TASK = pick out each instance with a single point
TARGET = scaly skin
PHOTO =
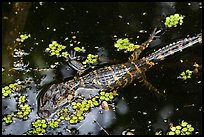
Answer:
(112, 77)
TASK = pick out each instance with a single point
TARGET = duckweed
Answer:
(8, 119)
(107, 96)
(55, 49)
(40, 126)
(171, 133)
(81, 117)
(177, 132)
(80, 106)
(22, 99)
(67, 118)
(53, 123)
(23, 37)
(9, 89)
(25, 111)
(78, 49)
(178, 127)
(95, 103)
(182, 129)
(22, 113)
(174, 20)
(65, 54)
(90, 59)
(72, 121)
(185, 74)
(183, 124)
(124, 44)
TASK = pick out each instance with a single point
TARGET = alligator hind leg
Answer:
(136, 53)
(147, 84)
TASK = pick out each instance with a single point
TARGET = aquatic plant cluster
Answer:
(78, 49)
(23, 37)
(59, 50)
(174, 20)
(39, 127)
(73, 114)
(125, 44)
(183, 128)
(11, 88)
(185, 74)
(24, 110)
(80, 106)
(107, 96)
(91, 59)
(8, 118)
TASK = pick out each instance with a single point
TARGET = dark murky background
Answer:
(95, 24)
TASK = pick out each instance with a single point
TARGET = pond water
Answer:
(95, 25)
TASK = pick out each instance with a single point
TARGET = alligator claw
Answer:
(74, 63)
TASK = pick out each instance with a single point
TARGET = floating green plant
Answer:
(64, 54)
(78, 49)
(40, 126)
(56, 49)
(124, 44)
(185, 74)
(24, 111)
(64, 112)
(174, 20)
(21, 100)
(9, 89)
(90, 59)
(183, 128)
(80, 106)
(23, 37)
(8, 119)
(107, 96)
(53, 123)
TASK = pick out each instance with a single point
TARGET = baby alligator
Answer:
(112, 77)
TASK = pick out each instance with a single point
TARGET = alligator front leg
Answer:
(136, 53)
(75, 63)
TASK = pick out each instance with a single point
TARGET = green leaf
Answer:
(191, 129)
(173, 128)
(177, 132)
(81, 117)
(44, 125)
(102, 97)
(171, 133)
(178, 127)
(107, 99)
(107, 94)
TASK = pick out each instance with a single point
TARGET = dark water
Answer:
(95, 24)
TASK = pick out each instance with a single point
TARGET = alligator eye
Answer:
(44, 113)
